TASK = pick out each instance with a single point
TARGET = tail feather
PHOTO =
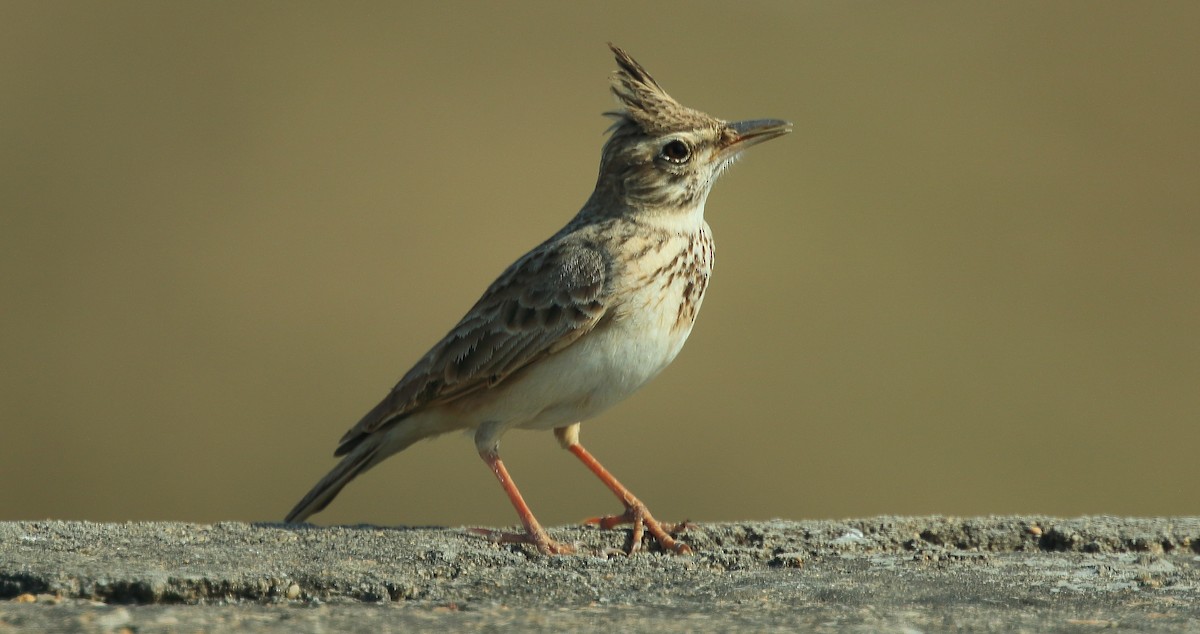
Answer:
(365, 450)
(364, 457)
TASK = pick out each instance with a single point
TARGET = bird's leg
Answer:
(534, 533)
(635, 513)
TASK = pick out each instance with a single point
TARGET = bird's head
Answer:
(663, 157)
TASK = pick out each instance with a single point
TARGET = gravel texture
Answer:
(878, 574)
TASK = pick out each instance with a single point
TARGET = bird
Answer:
(582, 320)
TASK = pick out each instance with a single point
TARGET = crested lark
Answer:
(581, 321)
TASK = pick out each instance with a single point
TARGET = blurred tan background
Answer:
(969, 283)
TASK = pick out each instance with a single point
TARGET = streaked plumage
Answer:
(582, 320)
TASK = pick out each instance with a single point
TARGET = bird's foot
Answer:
(538, 539)
(637, 515)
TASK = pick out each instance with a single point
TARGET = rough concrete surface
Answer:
(908, 574)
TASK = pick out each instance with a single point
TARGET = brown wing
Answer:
(543, 303)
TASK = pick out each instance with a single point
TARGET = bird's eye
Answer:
(676, 151)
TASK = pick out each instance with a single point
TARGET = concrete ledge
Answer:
(997, 573)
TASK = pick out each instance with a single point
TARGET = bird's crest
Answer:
(644, 102)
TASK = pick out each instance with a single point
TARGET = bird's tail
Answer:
(364, 456)
(329, 486)
(377, 436)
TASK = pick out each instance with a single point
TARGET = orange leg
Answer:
(534, 533)
(635, 513)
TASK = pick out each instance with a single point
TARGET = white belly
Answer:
(601, 369)
(638, 338)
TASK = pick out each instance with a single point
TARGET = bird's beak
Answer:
(747, 133)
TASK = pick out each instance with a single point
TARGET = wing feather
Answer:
(543, 303)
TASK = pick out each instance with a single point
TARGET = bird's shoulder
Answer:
(542, 303)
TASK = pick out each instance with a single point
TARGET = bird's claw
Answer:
(540, 540)
(639, 518)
